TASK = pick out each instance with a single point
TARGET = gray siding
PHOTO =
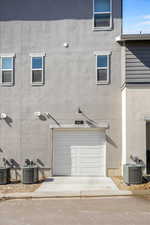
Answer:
(138, 62)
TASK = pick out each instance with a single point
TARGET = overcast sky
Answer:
(136, 16)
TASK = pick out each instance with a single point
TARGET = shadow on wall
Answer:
(14, 163)
(40, 163)
(49, 9)
(8, 121)
(111, 142)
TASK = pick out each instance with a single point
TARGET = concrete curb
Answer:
(78, 194)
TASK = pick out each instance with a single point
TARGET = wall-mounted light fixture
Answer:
(66, 45)
(79, 111)
(37, 114)
(3, 115)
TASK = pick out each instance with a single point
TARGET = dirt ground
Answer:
(14, 187)
(122, 186)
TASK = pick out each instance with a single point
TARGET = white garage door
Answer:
(79, 152)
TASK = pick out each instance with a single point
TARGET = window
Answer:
(102, 69)
(7, 70)
(102, 14)
(37, 70)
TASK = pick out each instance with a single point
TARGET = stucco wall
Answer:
(70, 78)
(137, 111)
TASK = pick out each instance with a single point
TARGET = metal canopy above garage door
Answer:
(79, 152)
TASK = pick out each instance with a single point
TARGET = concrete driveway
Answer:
(77, 184)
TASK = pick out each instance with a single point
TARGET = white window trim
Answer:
(111, 17)
(12, 55)
(8, 55)
(42, 55)
(108, 68)
(102, 53)
(38, 54)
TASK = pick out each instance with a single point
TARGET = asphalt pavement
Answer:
(79, 211)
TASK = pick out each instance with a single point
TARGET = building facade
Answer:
(135, 98)
(60, 92)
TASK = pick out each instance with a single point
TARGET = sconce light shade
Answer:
(37, 114)
(66, 45)
(3, 115)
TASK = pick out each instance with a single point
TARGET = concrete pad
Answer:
(77, 184)
(1, 196)
(98, 193)
(15, 195)
(30, 195)
(73, 194)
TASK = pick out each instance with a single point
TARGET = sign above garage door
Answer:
(79, 152)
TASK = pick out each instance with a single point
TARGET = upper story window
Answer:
(102, 68)
(7, 70)
(102, 14)
(37, 62)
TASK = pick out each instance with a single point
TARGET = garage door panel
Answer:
(79, 153)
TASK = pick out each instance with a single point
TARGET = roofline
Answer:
(133, 37)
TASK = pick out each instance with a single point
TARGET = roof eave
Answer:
(133, 37)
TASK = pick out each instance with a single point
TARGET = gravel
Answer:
(122, 186)
(14, 187)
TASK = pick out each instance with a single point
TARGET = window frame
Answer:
(108, 54)
(11, 83)
(102, 13)
(36, 55)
